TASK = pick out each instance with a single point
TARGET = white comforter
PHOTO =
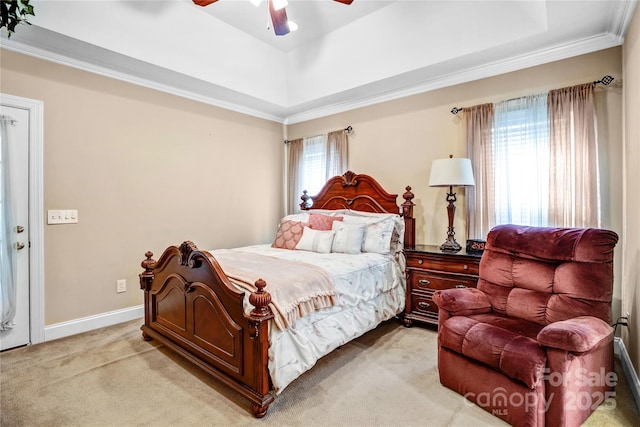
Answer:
(370, 288)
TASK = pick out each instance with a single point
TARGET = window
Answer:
(312, 161)
(535, 161)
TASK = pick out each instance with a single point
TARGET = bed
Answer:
(225, 321)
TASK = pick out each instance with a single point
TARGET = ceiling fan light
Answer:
(256, 3)
(279, 4)
(292, 25)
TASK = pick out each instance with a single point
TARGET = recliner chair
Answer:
(533, 343)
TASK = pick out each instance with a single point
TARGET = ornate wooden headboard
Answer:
(363, 193)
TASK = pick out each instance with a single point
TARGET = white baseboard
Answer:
(86, 324)
(629, 371)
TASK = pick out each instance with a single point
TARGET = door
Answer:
(17, 140)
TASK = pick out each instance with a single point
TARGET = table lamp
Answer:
(451, 173)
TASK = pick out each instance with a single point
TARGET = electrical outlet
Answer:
(121, 286)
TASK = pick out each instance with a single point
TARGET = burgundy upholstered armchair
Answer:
(533, 343)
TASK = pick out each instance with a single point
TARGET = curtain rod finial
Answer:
(606, 80)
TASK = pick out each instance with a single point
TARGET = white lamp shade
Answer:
(451, 172)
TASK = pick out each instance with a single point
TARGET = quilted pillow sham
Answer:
(288, 234)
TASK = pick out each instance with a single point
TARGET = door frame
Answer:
(36, 211)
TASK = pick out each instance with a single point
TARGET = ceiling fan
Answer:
(277, 11)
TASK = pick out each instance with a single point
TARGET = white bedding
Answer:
(370, 288)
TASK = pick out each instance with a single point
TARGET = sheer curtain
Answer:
(7, 215)
(314, 165)
(574, 197)
(521, 161)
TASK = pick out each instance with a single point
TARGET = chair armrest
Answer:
(577, 335)
(462, 302)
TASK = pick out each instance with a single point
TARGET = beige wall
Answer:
(631, 243)
(396, 141)
(145, 170)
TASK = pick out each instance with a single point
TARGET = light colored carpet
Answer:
(111, 377)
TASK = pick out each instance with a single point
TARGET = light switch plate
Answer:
(64, 216)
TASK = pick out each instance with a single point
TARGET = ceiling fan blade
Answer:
(279, 20)
(344, 1)
(204, 2)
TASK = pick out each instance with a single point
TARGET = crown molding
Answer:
(621, 16)
(69, 61)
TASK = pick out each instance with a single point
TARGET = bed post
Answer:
(409, 220)
(146, 278)
(305, 201)
(258, 332)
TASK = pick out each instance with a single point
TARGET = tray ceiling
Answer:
(341, 57)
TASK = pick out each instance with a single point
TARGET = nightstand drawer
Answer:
(424, 306)
(450, 266)
(428, 281)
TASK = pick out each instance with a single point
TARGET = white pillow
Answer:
(316, 240)
(379, 230)
(348, 238)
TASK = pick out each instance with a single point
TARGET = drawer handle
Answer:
(461, 286)
(423, 304)
(424, 282)
(466, 267)
(420, 261)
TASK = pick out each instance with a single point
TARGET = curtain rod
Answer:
(348, 130)
(606, 80)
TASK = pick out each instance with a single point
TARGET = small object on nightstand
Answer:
(475, 246)
(428, 270)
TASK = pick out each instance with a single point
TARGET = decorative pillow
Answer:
(321, 221)
(348, 238)
(302, 217)
(316, 240)
(378, 234)
(288, 235)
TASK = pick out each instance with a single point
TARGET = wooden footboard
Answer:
(192, 308)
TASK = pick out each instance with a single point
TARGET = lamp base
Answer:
(450, 245)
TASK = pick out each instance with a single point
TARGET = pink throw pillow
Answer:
(322, 222)
(288, 235)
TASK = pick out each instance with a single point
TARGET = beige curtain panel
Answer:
(574, 196)
(294, 184)
(478, 124)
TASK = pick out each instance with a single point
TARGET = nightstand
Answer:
(429, 270)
